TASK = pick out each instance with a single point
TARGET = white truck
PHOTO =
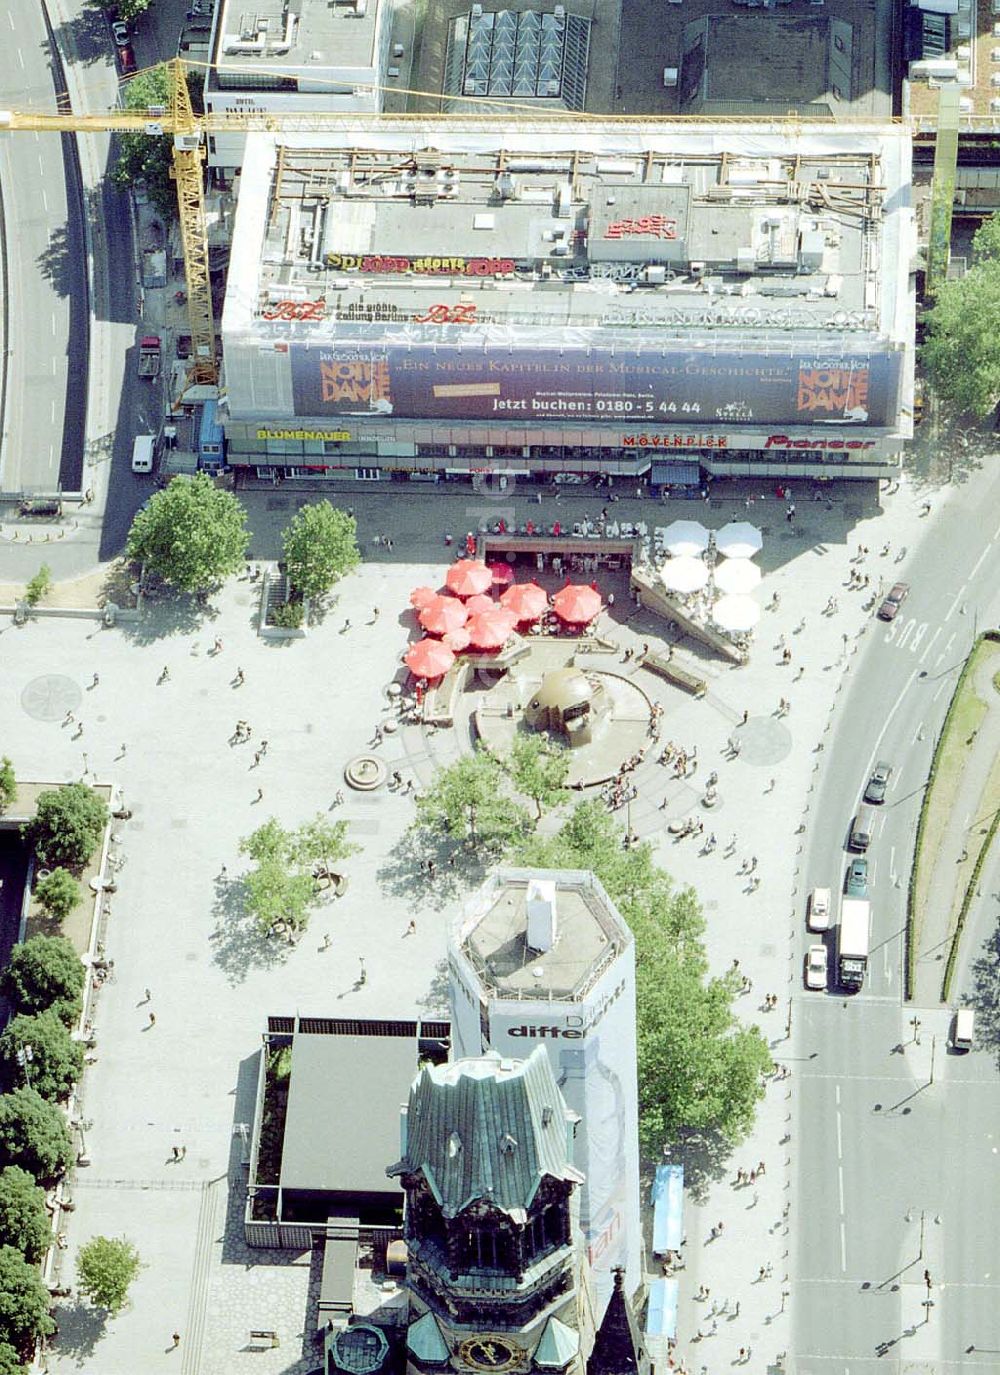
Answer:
(853, 942)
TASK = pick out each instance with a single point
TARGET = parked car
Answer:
(879, 781)
(816, 967)
(856, 883)
(121, 34)
(819, 910)
(894, 600)
(126, 61)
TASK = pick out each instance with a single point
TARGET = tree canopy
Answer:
(468, 801)
(961, 350)
(55, 1060)
(8, 783)
(538, 769)
(140, 156)
(24, 1301)
(67, 825)
(24, 1221)
(105, 1268)
(320, 546)
(45, 972)
(700, 1070)
(192, 534)
(10, 1361)
(34, 1135)
(58, 892)
(281, 887)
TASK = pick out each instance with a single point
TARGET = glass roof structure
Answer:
(518, 55)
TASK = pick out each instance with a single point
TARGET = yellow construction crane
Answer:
(188, 131)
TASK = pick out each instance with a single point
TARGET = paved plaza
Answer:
(177, 928)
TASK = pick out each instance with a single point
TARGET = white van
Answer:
(142, 453)
(819, 910)
(963, 1028)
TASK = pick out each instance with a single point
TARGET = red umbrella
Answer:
(503, 574)
(420, 596)
(526, 600)
(457, 639)
(489, 630)
(577, 603)
(467, 577)
(443, 614)
(428, 658)
(480, 604)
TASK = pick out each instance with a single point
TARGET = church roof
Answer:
(618, 1348)
(426, 1342)
(490, 1129)
(558, 1345)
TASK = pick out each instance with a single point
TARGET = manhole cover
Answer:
(50, 697)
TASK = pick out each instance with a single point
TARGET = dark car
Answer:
(126, 61)
(894, 600)
(856, 882)
(879, 781)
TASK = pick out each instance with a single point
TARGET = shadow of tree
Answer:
(55, 263)
(238, 944)
(80, 1328)
(168, 614)
(705, 1157)
(457, 866)
(435, 1000)
(86, 36)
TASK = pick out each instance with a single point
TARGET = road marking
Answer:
(892, 864)
(843, 1243)
(941, 687)
(958, 597)
(20, 58)
(888, 720)
(930, 642)
(975, 568)
(45, 199)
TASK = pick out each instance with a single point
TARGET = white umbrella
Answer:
(684, 574)
(737, 575)
(736, 613)
(738, 540)
(683, 537)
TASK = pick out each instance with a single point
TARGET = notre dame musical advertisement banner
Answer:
(444, 382)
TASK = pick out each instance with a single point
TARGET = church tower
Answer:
(495, 1264)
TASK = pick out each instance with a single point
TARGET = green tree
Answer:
(320, 546)
(67, 825)
(275, 893)
(539, 768)
(961, 350)
(468, 801)
(142, 157)
(10, 1361)
(58, 892)
(24, 1221)
(34, 1135)
(24, 1301)
(322, 842)
(191, 534)
(56, 1060)
(700, 1070)
(105, 1268)
(8, 783)
(45, 972)
(38, 585)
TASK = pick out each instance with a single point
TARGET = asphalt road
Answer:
(895, 1137)
(44, 269)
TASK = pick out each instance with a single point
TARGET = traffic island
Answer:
(964, 782)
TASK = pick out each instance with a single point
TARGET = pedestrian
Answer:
(411, 929)
(338, 801)
(431, 868)
(378, 737)
(746, 717)
(164, 673)
(121, 750)
(260, 795)
(760, 1163)
(326, 941)
(374, 615)
(149, 995)
(753, 863)
(152, 1019)
(363, 976)
(736, 1310)
(256, 760)
(96, 680)
(184, 1151)
(240, 678)
(68, 719)
(761, 1274)
(217, 647)
(345, 627)
(176, 1152)
(397, 778)
(263, 747)
(176, 1339)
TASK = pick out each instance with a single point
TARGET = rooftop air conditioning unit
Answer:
(963, 28)
(560, 11)
(995, 79)
(477, 11)
(995, 105)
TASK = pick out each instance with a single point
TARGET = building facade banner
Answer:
(693, 387)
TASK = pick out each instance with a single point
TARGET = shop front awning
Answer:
(675, 474)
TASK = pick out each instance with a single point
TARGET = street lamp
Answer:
(25, 1055)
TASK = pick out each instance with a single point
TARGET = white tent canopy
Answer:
(737, 575)
(739, 540)
(736, 613)
(684, 574)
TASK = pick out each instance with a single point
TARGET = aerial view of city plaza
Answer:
(500, 687)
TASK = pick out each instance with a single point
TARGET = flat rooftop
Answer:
(275, 43)
(329, 1144)
(589, 935)
(769, 235)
